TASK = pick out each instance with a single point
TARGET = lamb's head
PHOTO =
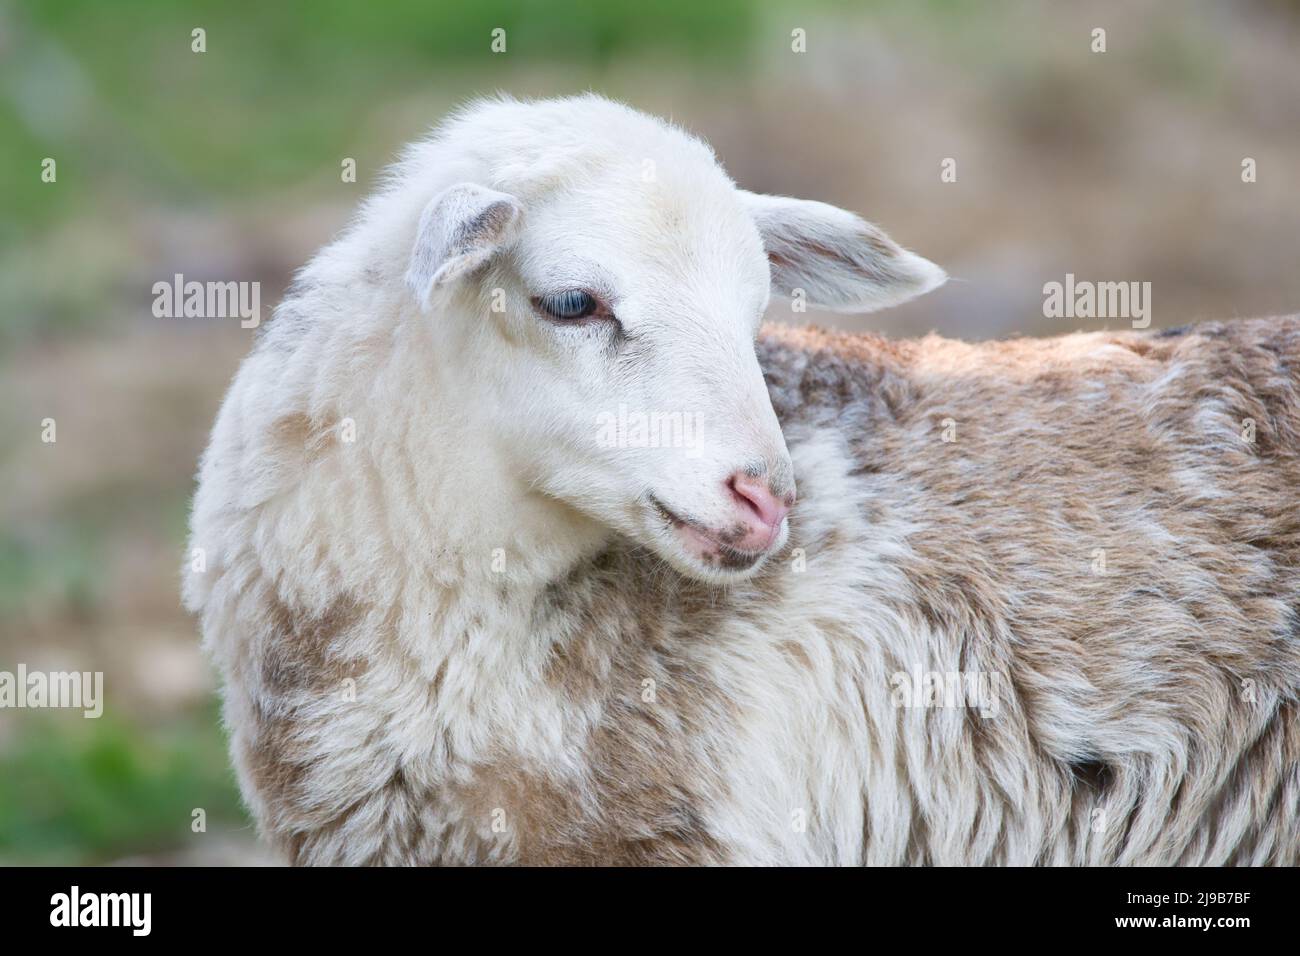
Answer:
(600, 282)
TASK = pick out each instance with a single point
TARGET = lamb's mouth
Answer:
(706, 546)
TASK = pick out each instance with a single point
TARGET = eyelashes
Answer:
(572, 305)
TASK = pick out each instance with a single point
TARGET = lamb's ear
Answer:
(841, 262)
(460, 230)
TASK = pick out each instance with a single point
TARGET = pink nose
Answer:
(762, 511)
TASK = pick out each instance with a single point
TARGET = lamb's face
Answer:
(638, 302)
(615, 319)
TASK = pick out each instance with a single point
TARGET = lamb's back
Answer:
(1112, 517)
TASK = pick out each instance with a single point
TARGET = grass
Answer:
(136, 121)
(61, 569)
(74, 790)
(116, 95)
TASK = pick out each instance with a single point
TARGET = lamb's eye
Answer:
(571, 304)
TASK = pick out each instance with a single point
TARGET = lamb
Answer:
(902, 602)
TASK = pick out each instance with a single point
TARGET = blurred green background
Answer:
(226, 165)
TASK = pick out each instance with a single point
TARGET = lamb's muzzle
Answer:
(757, 529)
(763, 508)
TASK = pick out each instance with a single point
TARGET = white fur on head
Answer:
(459, 231)
(644, 419)
(841, 262)
(639, 214)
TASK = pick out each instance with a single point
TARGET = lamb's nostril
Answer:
(757, 497)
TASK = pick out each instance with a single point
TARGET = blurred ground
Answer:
(225, 165)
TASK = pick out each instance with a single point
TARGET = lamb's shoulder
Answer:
(1104, 468)
(1096, 521)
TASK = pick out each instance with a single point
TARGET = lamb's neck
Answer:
(491, 535)
(510, 548)
(469, 518)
